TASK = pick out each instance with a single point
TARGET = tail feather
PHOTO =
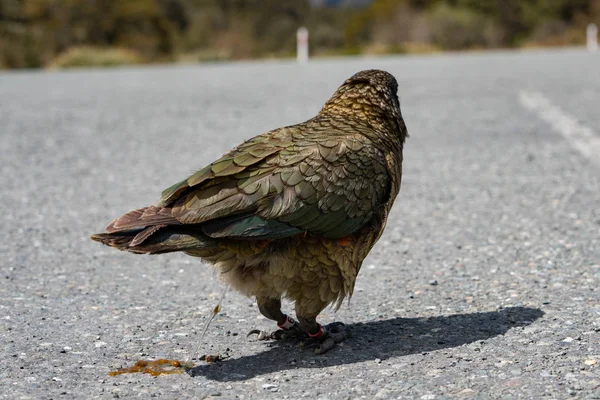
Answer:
(145, 234)
(119, 240)
(165, 241)
(152, 230)
(143, 218)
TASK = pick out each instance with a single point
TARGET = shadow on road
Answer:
(377, 339)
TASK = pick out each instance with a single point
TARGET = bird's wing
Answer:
(285, 183)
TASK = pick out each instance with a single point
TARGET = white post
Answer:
(302, 45)
(592, 37)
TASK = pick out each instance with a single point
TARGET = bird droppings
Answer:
(155, 367)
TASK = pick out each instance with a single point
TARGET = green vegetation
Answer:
(41, 33)
(95, 56)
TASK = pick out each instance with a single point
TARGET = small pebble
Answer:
(269, 386)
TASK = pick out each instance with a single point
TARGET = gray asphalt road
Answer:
(484, 285)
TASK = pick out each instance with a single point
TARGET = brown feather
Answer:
(141, 218)
(145, 234)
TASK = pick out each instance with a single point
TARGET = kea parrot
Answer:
(289, 213)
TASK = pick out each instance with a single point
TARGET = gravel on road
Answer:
(485, 283)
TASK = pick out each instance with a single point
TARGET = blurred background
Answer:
(64, 33)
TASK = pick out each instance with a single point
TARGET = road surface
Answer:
(484, 285)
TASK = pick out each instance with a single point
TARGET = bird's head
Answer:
(369, 95)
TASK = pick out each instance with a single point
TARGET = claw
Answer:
(290, 329)
(334, 333)
(338, 331)
(264, 335)
(253, 332)
(325, 346)
(321, 342)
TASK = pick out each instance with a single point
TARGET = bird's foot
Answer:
(327, 337)
(290, 329)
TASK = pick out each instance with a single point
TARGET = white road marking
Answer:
(581, 137)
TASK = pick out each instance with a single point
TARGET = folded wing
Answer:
(283, 184)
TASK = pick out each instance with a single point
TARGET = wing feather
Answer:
(282, 184)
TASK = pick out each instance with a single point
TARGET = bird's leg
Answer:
(325, 336)
(271, 308)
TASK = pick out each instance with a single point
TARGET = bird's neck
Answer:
(385, 128)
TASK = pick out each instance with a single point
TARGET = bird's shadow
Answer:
(376, 340)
